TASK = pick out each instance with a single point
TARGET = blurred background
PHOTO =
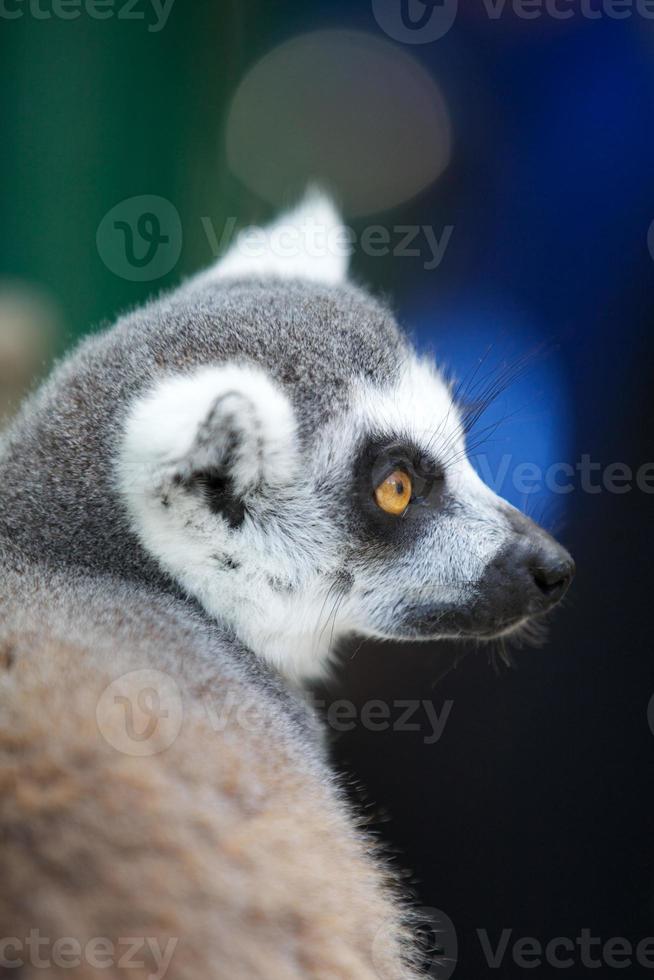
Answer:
(518, 153)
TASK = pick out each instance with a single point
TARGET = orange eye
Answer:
(393, 494)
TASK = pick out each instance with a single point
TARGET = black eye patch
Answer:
(377, 460)
(427, 476)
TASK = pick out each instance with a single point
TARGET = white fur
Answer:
(308, 242)
(289, 543)
(163, 425)
(419, 406)
(173, 524)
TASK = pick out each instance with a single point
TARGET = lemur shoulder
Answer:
(199, 491)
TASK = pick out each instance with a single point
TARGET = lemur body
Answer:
(204, 490)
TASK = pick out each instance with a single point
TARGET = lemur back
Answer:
(230, 853)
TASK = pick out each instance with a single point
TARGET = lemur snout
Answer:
(527, 578)
(553, 571)
(544, 566)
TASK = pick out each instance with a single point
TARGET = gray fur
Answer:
(103, 614)
(59, 497)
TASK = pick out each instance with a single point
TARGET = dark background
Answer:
(534, 811)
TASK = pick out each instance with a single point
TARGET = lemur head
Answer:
(309, 478)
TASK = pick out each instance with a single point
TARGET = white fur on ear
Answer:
(231, 423)
(192, 422)
(308, 242)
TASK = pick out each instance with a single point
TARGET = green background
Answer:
(98, 111)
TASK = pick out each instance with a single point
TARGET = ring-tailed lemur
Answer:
(220, 487)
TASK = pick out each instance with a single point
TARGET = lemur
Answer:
(218, 489)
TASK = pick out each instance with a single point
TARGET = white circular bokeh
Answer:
(343, 108)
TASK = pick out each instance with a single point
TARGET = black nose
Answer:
(552, 570)
(542, 568)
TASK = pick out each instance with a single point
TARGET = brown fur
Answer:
(222, 841)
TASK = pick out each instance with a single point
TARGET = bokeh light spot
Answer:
(343, 108)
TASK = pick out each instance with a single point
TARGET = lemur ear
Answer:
(308, 242)
(224, 432)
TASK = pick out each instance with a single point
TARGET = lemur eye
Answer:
(393, 494)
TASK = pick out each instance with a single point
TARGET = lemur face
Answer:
(433, 551)
(309, 489)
